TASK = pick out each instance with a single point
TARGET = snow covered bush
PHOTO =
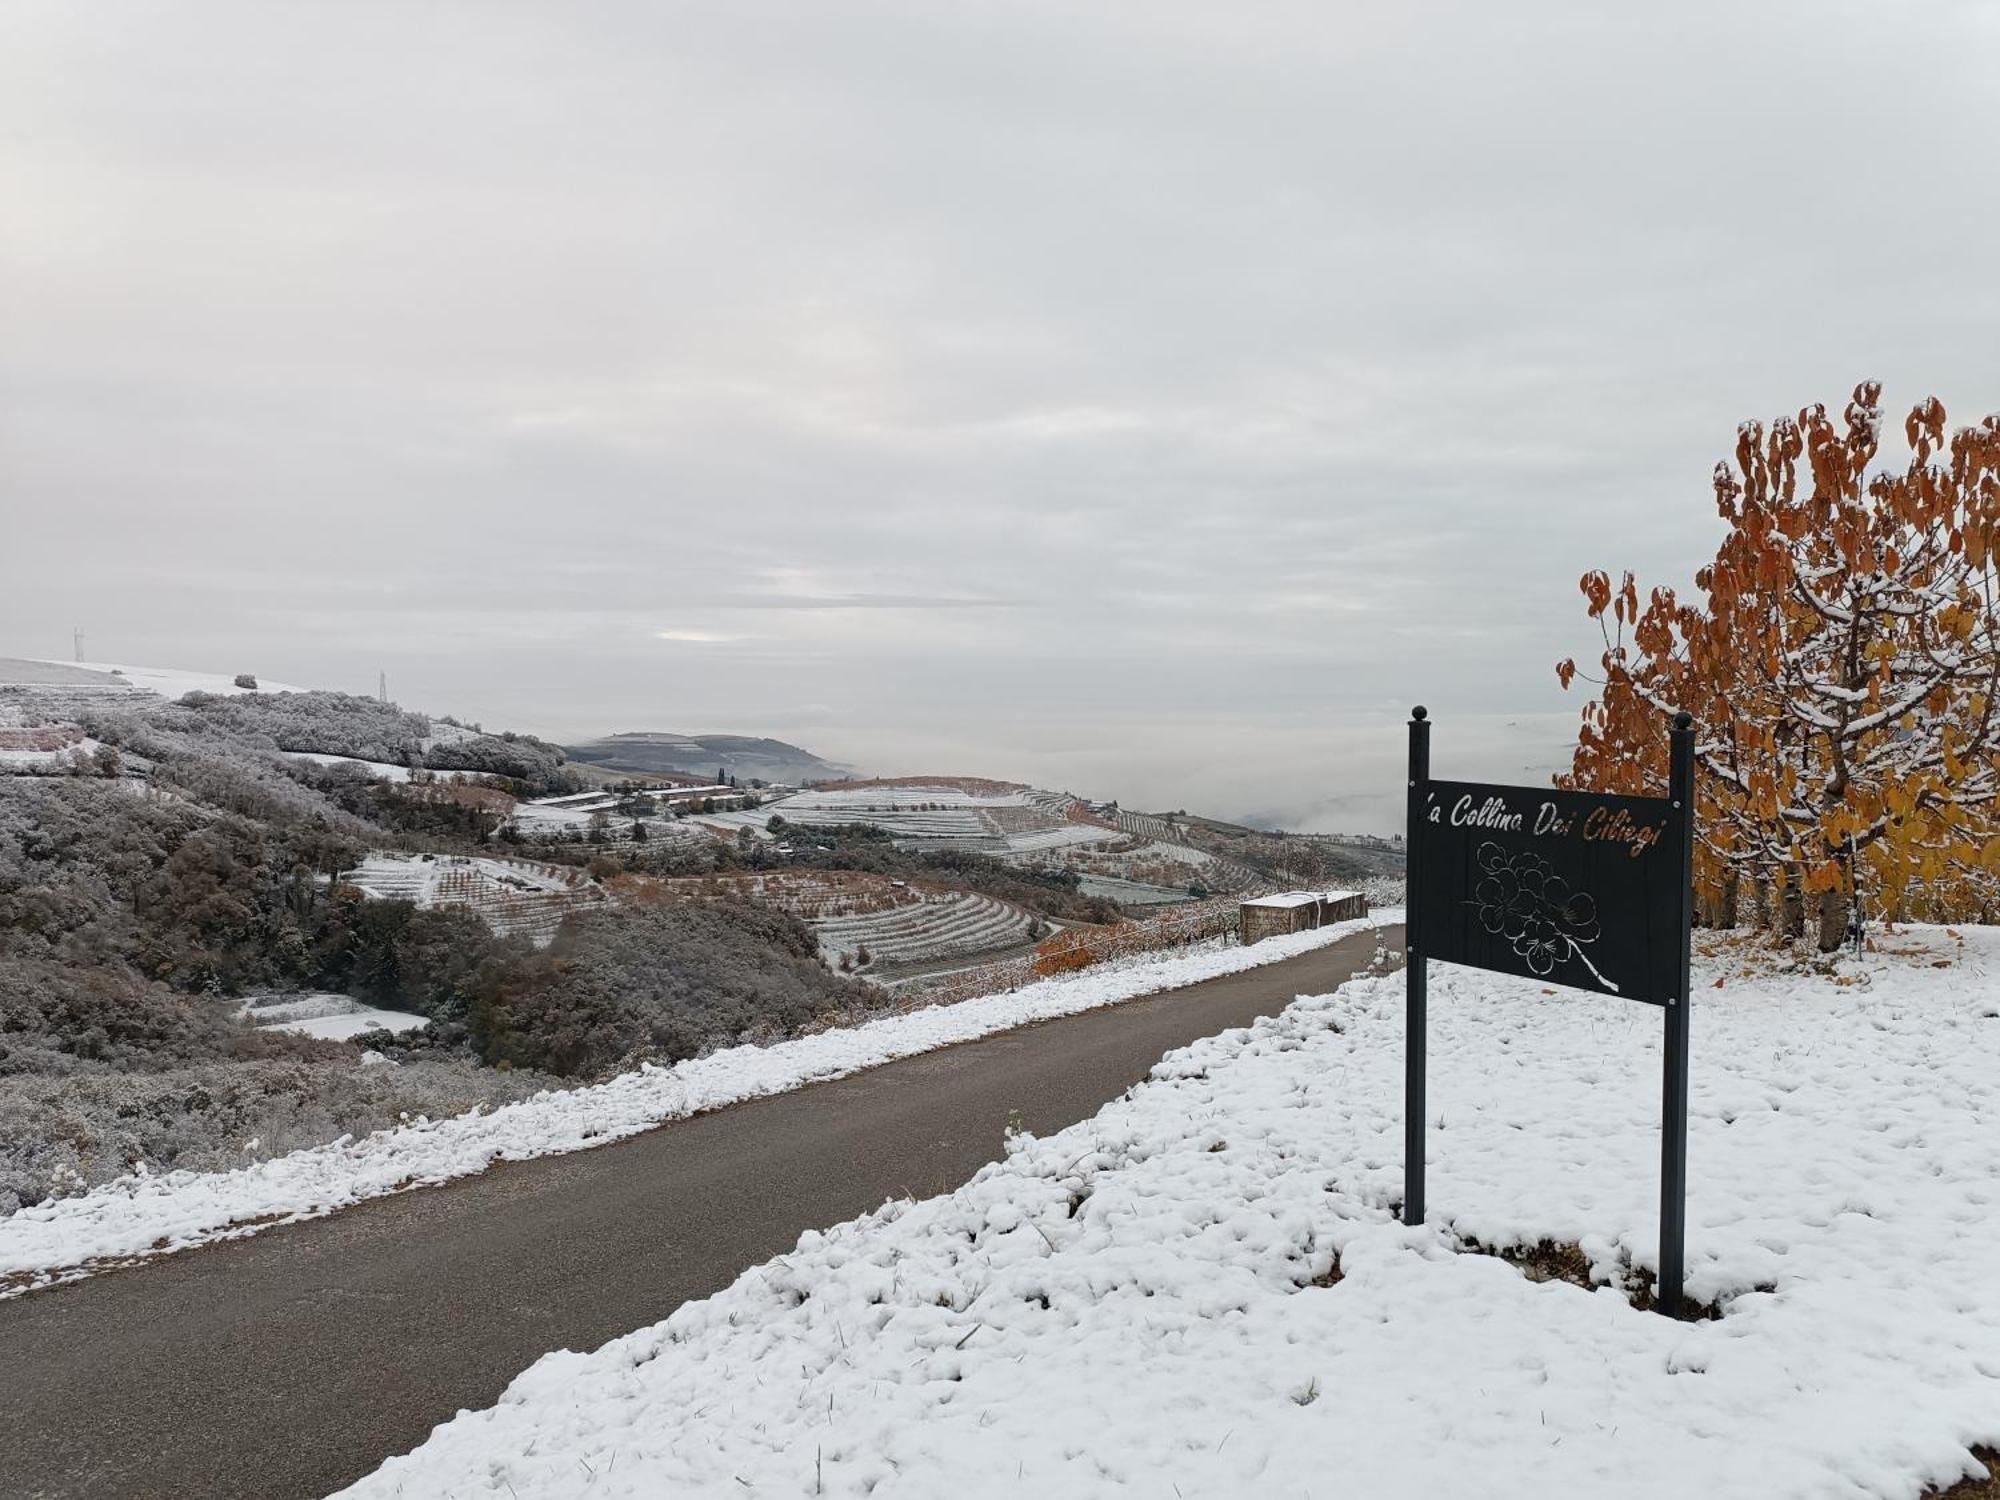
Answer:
(65, 1133)
(618, 986)
(102, 1071)
(333, 724)
(539, 766)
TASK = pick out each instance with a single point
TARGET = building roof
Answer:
(1284, 899)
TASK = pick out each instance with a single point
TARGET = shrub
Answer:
(670, 982)
(64, 1134)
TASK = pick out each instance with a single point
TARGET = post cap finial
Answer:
(1683, 720)
(1420, 713)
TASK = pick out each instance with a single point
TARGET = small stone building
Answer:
(1299, 911)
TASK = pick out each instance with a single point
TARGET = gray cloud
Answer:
(1152, 398)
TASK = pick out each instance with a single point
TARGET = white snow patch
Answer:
(1147, 1302)
(1291, 900)
(171, 682)
(48, 762)
(141, 1215)
(333, 1017)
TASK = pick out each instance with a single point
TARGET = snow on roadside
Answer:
(143, 1214)
(1203, 1290)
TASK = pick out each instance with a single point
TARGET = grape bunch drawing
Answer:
(1522, 899)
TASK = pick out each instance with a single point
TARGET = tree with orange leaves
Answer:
(1843, 673)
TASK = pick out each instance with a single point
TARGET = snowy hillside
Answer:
(92, 683)
(1205, 1291)
(173, 682)
(145, 1214)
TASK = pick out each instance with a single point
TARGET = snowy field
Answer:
(328, 1016)
(60, 692)
(549, 816)
(572, 815)
(143, 1215)
(1205, 1291)
(171, 682)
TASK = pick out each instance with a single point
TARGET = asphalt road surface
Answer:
(293, 1363)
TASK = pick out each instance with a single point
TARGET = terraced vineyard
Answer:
(933, 927)
(1175, 866)
(1063, 836)
(510, 896)
(1005, 822)
(892, 922)
(1132, 892)
(1145, 826)
(926, 816)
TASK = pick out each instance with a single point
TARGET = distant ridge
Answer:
(746, 757)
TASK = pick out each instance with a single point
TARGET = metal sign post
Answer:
(1680, 1004)
(1417, 1028)
(1589, 891)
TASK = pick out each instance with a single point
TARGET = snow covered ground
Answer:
(1130, 892)
(1003, 823)
(555, 817)
(547, 816)
(1062, 836)
(1204, 1290)
(172, 682)
(330, 1016)
(47, 762)
(143, 1215)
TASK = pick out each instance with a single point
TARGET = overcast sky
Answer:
(1152, 399)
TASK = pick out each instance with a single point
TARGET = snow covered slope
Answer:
(1204, 1290)
(172, 682)
(139, 1216)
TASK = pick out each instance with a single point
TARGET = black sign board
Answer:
(1564, 887)
(1570, 888)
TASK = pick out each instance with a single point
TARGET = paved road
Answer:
(295, 1362)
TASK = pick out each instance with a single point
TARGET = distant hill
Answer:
(746, 757)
